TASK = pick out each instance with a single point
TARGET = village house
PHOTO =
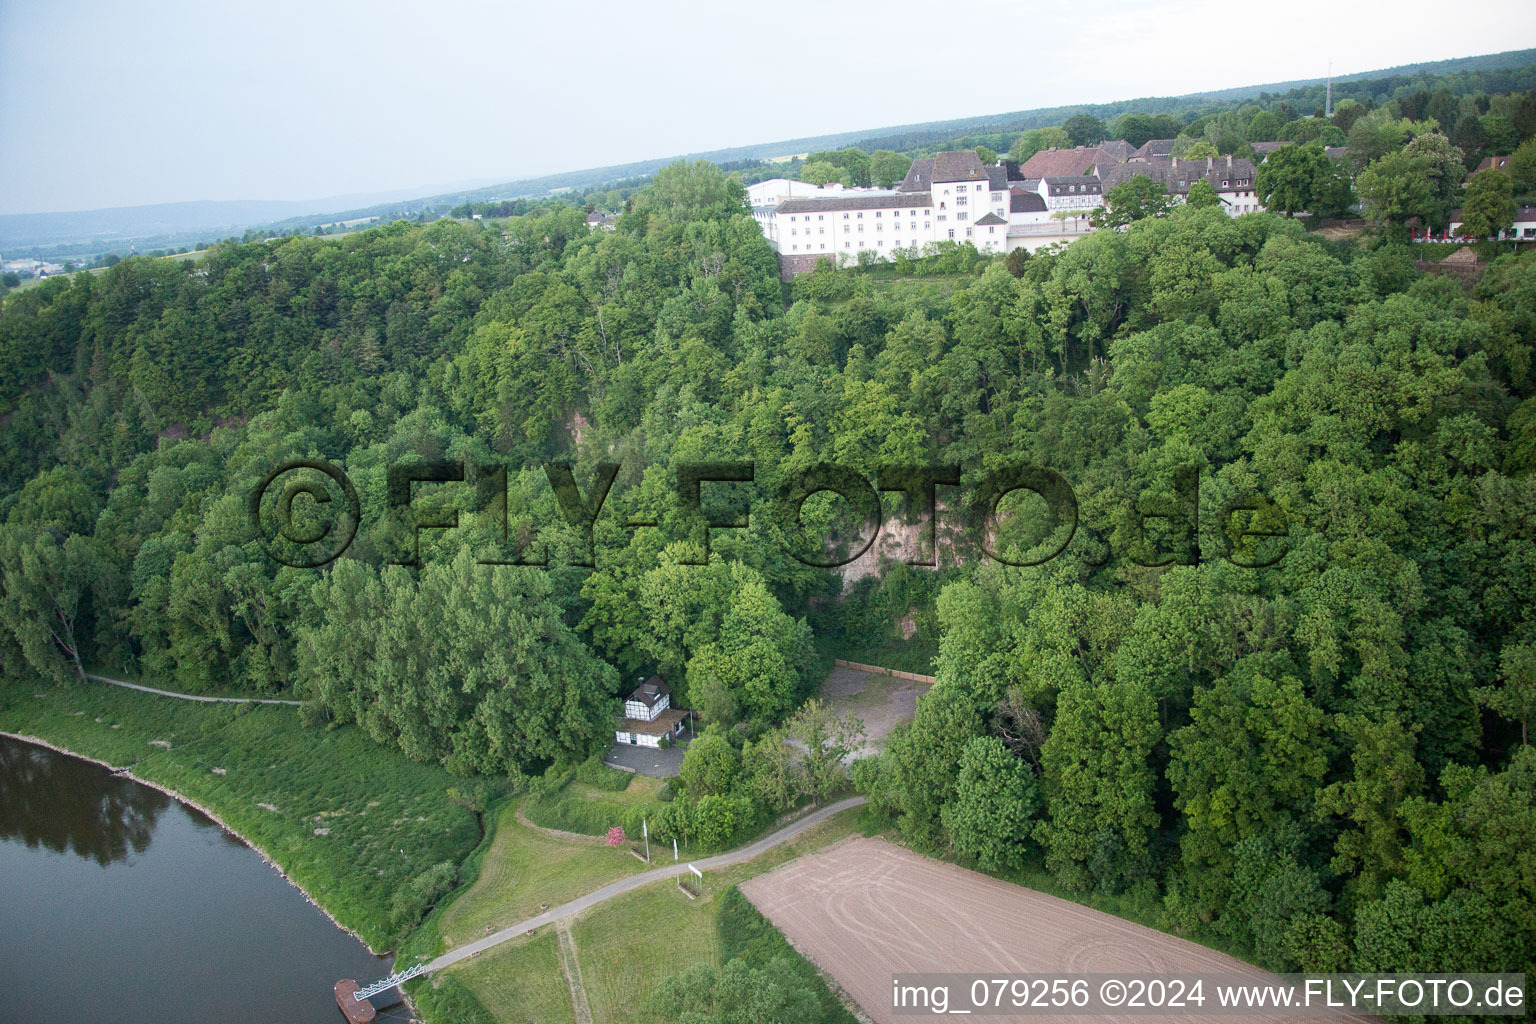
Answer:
(649, 716)
(1232, 179)
(1263, 149)
(1072, 192)
(1154, 149)
(1523, 230)
(1080, 160)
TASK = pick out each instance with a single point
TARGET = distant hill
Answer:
(913, 136)
(179, 224)
(216, 218)
(1488, 62)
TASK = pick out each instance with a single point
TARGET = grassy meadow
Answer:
(515, 982)
(592, 809)
(348, 820)
(626, 947)
(521, 871)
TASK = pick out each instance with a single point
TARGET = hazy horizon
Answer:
(183, 103)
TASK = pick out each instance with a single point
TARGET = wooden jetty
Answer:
(357, 1011)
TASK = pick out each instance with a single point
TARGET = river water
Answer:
(120, 905)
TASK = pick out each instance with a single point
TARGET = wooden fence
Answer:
(878, 670)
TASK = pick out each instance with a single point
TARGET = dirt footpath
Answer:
(882, 702)
(865, 909)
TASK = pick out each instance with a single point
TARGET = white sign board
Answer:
(695, 870)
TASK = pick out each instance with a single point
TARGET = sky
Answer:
(111, 104)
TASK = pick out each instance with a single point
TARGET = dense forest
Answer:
(1322, 763)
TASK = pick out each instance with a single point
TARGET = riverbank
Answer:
(150, 893)
(208, 812)
(346, 822)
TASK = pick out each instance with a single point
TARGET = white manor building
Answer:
(954, 197)
(950, 197)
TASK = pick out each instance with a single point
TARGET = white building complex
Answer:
(954, 197)
(950, 197)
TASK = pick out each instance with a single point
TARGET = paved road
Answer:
(193, 696)
(723, 860)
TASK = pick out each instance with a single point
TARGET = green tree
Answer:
(1489, 207)
(773, 770)
(1136, 198)
(1442, 168)
(710, 765)
(46, 598)
(474, 669)
(1470, 138)
(852, 160)
(1479, 837)
(412, 901)
(714, 698)
(1385, 775)
(886, 167)
(1138, 129)
(1225, 132)
(1514, 698)
(1264, 126)
(1018, 260)
(1303, 129)
(922, 761)
(1377, 134)
(1346, 112)
(737, 993)
(1502, 136)
(827, 741)
(1316, 943)
(718, 819)
(1402, 932)
(820, 173)
(1443, 108)
(1396, 188)
(1085, 130)
(1036, 139)
(690, 191)
(1287, 181)
(1249, 764)
(1468, 895)
(1188, 147)
(1522, 168)
(1275, 893)
(1202, 195)
(994, 806)
(1333, 190)
(1099, 785)
(751, 646)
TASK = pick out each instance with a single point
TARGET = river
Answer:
(120, 905)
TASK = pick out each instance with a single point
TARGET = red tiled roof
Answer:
(1060, 163)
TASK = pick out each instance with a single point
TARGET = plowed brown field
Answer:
(865, 909)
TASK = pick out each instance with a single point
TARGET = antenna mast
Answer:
(1328, 103)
